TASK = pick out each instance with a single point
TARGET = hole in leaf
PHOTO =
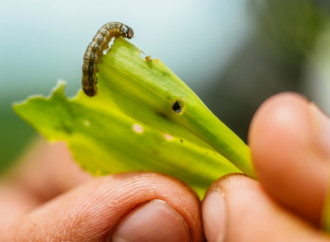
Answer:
(177, 106)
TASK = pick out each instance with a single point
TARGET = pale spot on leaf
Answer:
(137, 128)
(168, 137)
(87, 123)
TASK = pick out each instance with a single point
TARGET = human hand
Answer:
(49, 198)
(290, 145)
(55, 201)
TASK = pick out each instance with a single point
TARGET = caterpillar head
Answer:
(127, 32)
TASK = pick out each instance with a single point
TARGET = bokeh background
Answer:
(233, 54)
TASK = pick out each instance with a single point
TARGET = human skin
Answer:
(47, 197)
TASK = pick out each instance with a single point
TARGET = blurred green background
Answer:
(233, 54)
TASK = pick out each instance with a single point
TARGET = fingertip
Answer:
(236, 208)
(153, 221)
(286, 155)
(214, 216)
(275, 126)
(47, 170)
(282, 113)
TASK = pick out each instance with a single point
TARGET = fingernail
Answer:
(214, 216)
(322, 130)
(154, 221)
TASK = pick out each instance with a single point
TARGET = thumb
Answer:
(126, 207)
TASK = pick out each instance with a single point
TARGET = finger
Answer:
(127, 207)
(46, 170)
(236, 208)
(290, 145)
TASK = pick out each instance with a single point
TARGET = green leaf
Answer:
(143, 118)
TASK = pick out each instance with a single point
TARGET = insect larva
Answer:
(95, 50)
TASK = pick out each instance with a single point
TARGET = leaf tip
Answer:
(59, 89)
